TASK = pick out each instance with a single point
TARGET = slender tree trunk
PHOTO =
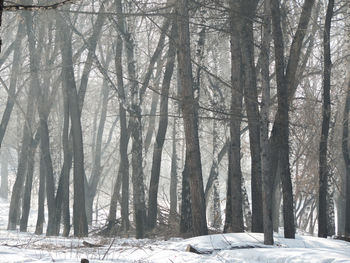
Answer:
(326, 115)
(173, 177)
(28, 187)
(17, 190)
(286, 77)
(79, 214)
(4, 173)
(97, 169)
(123, 171)
(13, 80)
(162, 128)
(41, 199)
(264, 127)
(212, 173)
(248, 8)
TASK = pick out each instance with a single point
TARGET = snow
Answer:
(239, 247)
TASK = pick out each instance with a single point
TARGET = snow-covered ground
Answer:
(242, 247)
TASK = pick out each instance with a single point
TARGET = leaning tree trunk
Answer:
(28, 186)
(79, 215)
(251, 101)
(190, 117)
(162, 128)
(123, 171)
(17, 53)
(287, 75)
(282, 123)
(14, 212)
(326, 115)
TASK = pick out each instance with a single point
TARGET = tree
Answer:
(162, 128)
(190, 118)
(286, 86)
(326, 115)
(234, 215)
(79, 214)
(264, 127)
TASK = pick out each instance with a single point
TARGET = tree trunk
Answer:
(4, 173)
(234, 213)
(190, 117)
(162, 128)
(97, 169)
(186, 226)
(28, 187)
(326, 115)
(346, 155)
(287, 78)
(13, 81)
(173, 177)
(79, 214)
(251, 102)
(14, 213)
(41, 199)
(264, 127)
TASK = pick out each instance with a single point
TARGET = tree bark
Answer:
(282, 123)
(173, 177)
(326, 115)
(28, 186)
(162, 128)
(264, 127)
(4, 174)
(248, 8)
(234, 213)
(346, 156)
(41, 199)
(79, 214)
(190, 117)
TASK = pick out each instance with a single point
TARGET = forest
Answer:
(175, 118)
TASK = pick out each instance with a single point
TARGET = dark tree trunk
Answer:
(234, 213)
(28, 187)
(186, 226)
(173, 177)
(64, 178)
(123, 171)
(282, 123)
(326, 115)
(248, 8)
(190, 117)
(79, 214)
(50, 181)
(41, 199)
(162, 128)
(289, 77)
(267, 182)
